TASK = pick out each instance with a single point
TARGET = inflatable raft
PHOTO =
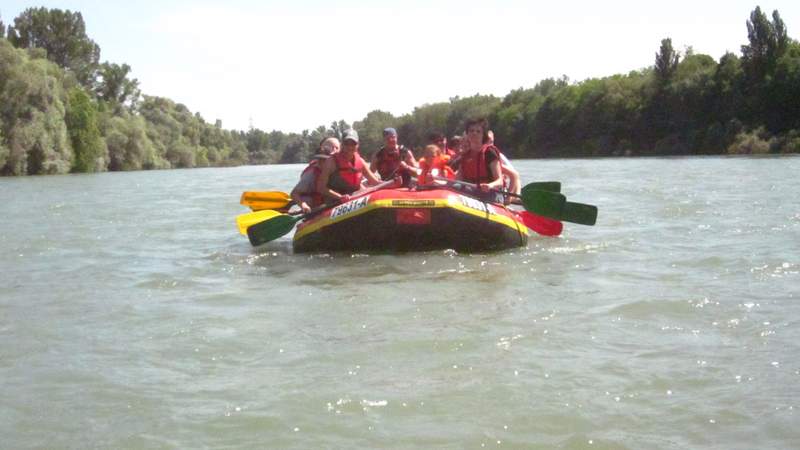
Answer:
(401, 220)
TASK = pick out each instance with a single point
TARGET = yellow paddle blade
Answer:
(265, 200)
(245, 221)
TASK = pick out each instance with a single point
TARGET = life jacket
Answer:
(315, 167)
(347, 178)
(439, 163)
(389, 161)
(474, 168)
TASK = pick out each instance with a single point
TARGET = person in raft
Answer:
(305, 192)
(480, 162)
(453, 147)
(438, 139)
(341, 174)
(505, 165)
(434, 164)
(393, 159)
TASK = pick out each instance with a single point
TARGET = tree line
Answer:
(63, 110)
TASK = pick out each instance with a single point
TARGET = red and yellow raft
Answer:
(403, 220)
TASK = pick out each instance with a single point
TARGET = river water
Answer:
(133, 315)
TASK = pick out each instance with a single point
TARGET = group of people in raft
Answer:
(338, 172)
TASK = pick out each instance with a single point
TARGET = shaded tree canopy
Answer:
(768, 41)
(113, 86)
(62, 111)
(62, 34)
(667, 60)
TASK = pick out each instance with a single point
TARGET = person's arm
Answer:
(409, 159)
(368, 173)
(373, 165)
(328, 167)
(306, 184)
(495, 170)
(414, 170)
(513, 175)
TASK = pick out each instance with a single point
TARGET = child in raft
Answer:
(434, 164)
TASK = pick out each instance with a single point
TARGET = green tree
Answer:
(338, 128)
(783, 113)
(370, 131)
(129, 147)
(81, 120)
(113, 86)
(63, 35)
(32, 114)
(462, 109)
(3, 149)
(2, 29)
(667, 60)
(767, 42)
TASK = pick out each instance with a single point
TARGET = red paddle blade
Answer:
(541, 225)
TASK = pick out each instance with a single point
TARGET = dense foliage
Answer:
(61, 110)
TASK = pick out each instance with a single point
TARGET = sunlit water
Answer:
(133, 315)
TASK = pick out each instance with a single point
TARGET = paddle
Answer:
(278, 226)
(272, 229)
(245, 221)
(543, 202)
(549, 186)
(265, 200)
(541, 225)
(548, 204)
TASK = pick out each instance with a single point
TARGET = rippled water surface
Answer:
(133, 315)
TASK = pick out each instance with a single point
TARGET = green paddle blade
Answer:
(271, 229)
(580, 213)
(549, 186)
(544, 203)
(247, 220)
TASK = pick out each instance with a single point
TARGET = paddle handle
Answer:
(475, 188)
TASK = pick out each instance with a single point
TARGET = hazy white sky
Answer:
(295, 65)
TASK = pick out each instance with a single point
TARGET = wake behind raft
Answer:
(402, 219)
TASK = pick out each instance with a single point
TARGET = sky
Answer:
(295, 65)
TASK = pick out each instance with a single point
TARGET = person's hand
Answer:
(304, 206)
(484, 187)
(344, 199)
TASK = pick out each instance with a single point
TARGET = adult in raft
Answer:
(480, 162)
(505, 165)
(393, 159)
(305, 192)
(453, 146)
(341, 174)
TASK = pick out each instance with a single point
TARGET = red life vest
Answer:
(388, 161)
(315, 197)
(474, 168)
(347, 178)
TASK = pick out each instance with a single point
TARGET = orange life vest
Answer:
(439, 163)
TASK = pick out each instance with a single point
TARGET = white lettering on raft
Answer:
(475, 204)
(349, 207)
